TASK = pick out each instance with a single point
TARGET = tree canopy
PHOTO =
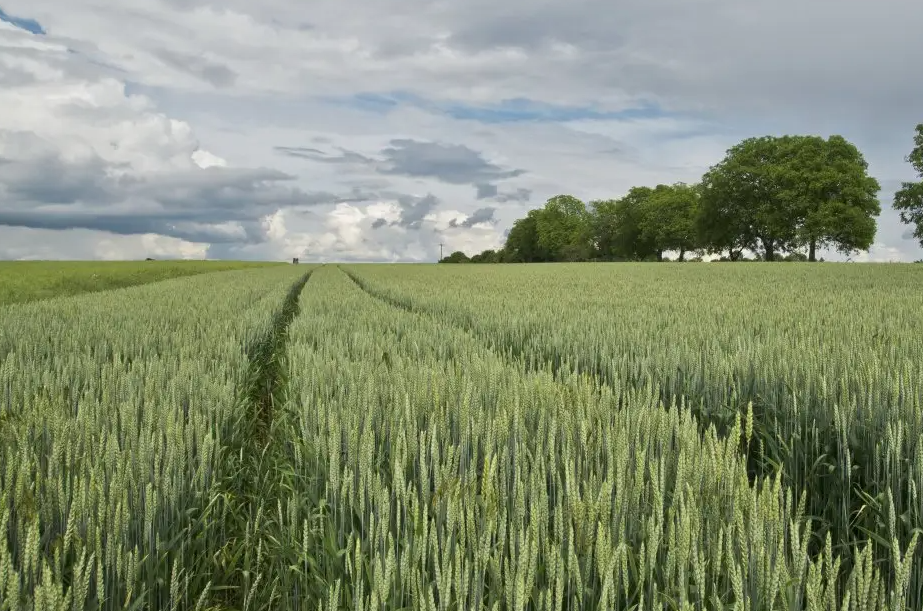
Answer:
(618, 224)
(668, 219)
(775, 196)
(563, 227)
(908, 200)
(522, 244)
(839, 200)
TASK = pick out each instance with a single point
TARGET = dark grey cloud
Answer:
(370, 184)
(486, 190)
(450, 163)
(481, 215)
(358, 193)
(489, 191)
(344, 157)
(218, 75)
(42, 190)
(519, 195)
(191, 229)
(454, 164)
(302, 151)
(414, 210)
(50, 180)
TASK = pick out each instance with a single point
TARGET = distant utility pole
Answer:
(440, 251)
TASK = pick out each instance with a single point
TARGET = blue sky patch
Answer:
(525, 110)
(380, 103)
(515, 110)
(23, 23)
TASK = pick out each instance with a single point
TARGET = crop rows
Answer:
(25, 281)
(419, 465)
(826, 363)
(540, 437)
(115, 409)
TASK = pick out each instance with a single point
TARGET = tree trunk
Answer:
(769, 246)
(659, 255)
(682, 254)
(812, 248)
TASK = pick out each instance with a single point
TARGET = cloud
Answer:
(880, 253)
(346, 234)
(257, 133)
(453, 164)
(413, 211)
(489, 191)
(77, 151)
(519, 195)
(486, 190)
(41, 187)
(215, 73)
(481, 215)
(344, 157)
(84, 244)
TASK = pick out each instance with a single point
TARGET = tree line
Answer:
(778, 197)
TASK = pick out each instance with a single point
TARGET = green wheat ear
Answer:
(539, 437)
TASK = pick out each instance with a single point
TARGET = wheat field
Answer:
(520, 437)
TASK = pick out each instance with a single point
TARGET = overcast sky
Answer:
(374, 130)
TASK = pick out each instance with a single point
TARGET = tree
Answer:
(719, 229)
(668, 219)
(747, 198)
(616, 226)
(522, 244)
(839, 199)
(775, 194)
(603, 227)
(563, 227)
(909, 198)
(487, 256)
(456, 257)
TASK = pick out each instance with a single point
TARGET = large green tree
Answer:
(720, 229)
(617, 226)
(908, 201)
(668, 219)
(745, 200)
(522, 243)
(564, 229)
(839, 200)
(776, 194)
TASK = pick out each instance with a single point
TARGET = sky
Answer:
(378, 130)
